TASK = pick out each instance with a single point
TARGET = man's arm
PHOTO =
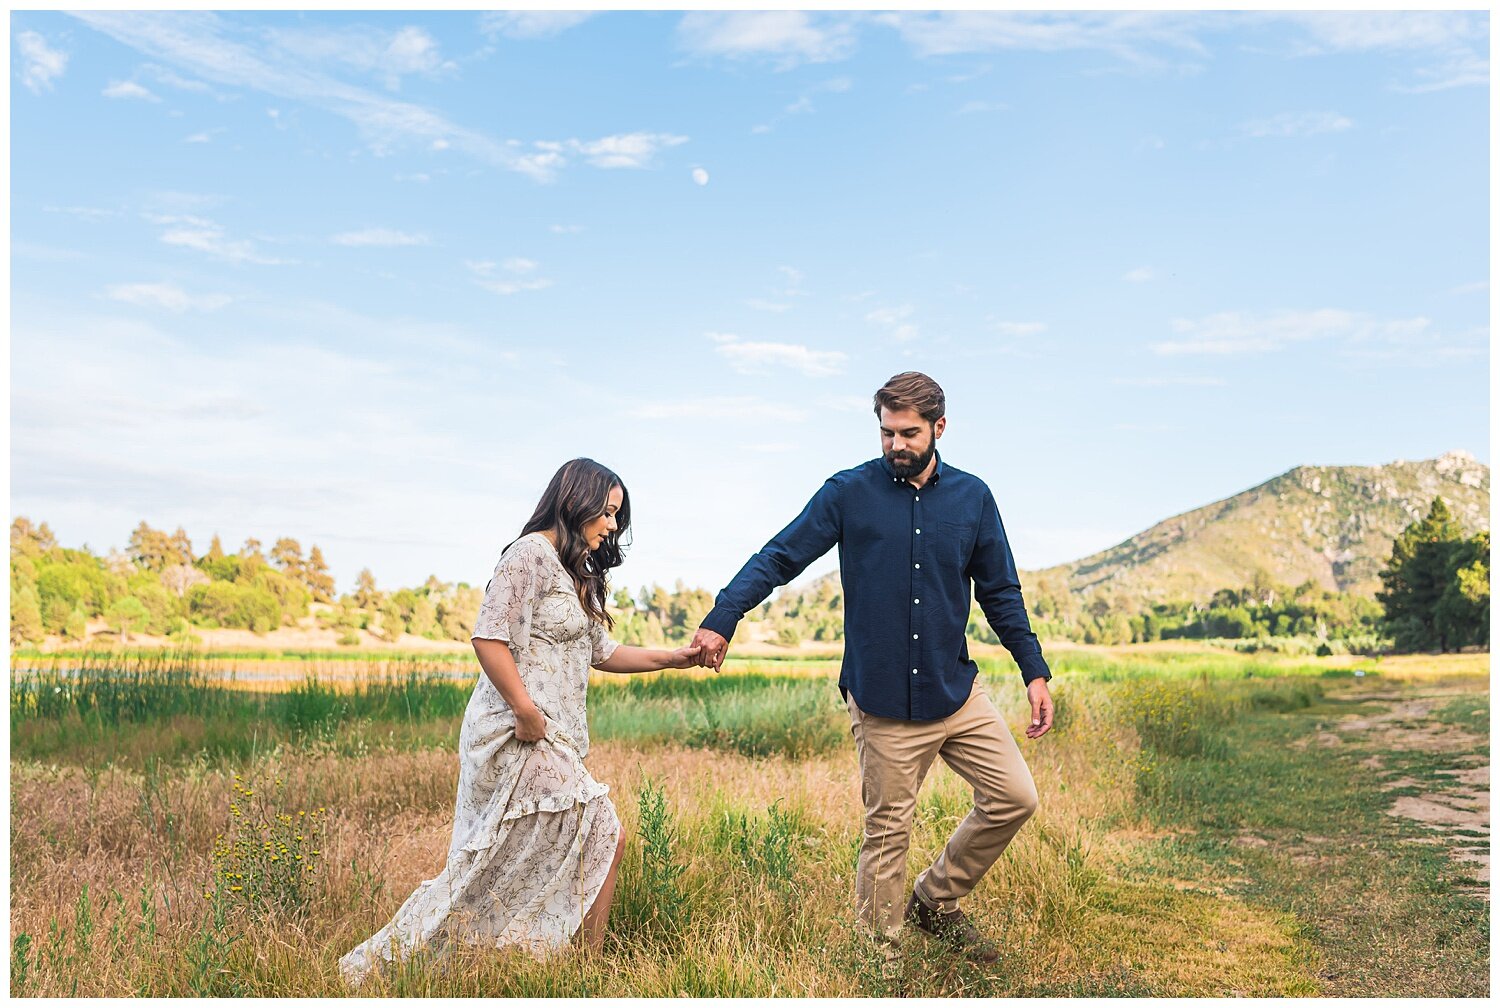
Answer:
(811, 534)
(997, 589)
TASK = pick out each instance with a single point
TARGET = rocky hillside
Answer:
(1330, 524)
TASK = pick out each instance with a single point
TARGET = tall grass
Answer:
(740, 797)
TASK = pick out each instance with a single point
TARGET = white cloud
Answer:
(1141, 274)
(387, 55)
(205, 236)
(1290, 124)
(757, 358)
(1228, 333)
(700, 176)
(1362, 31)
(889, 316)
(625, 150)
(566, 228)
(1478, 287)
(129, 89)
(787, 37)
(974, 107)
(484, 274)
(166, 296)
(208, 46)
(1019, 328)
(894, 320)
(1461, 70)
(1132, 36)
(378, 237)
(205, 136)
(760, 304)
(40, 63)
(1457, 40)
(530, 24)
(171, 79)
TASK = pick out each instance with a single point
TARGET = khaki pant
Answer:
(894, 756)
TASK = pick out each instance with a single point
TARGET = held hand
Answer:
(1041, 708)
(713, 647)
(531, 725)
(684, 657)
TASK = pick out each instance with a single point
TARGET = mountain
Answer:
(1331, 524)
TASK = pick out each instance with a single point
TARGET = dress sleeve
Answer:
(505, 613)
(603, 646)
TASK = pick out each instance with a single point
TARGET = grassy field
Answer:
(1210, 824)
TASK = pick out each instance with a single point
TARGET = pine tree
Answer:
(152, 548)
(287, 555)
(1420, 570)
(365, 594)
(1462, 613)
(316, 576)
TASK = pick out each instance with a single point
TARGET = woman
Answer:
(536, 843)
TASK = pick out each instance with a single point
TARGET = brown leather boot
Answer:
(952, 928)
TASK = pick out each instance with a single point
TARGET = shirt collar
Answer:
(937, 470)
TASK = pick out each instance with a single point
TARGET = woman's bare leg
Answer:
(592, 929)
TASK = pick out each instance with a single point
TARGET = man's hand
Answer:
(714, 647)
(685, 657)
(1041, 708)
(531, 724)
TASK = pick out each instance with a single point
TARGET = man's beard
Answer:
(902, 465)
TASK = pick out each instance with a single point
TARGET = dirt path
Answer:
(1455, 807)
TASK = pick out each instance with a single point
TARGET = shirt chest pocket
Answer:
(953, 540)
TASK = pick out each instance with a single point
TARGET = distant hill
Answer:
(1329, 524)
(1332, 525)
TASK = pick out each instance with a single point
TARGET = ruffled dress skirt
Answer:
(525, 865)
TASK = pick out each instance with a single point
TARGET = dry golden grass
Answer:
(89, 846)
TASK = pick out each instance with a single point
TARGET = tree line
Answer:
(1435, 598)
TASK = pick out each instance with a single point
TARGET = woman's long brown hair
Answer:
(576, 496)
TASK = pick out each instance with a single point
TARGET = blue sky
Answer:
(367, 279)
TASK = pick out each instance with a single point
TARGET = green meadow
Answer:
(1211, 824)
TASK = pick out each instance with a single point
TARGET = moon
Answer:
(700, 176)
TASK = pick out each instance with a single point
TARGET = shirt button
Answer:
(913, 671)
(919, 531)
(913, 636)
(917, 566)
(916, 601)
(919, 497)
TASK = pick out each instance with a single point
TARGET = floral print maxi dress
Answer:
(533, 832)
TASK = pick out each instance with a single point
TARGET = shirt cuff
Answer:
(721, 620)
(1033, 666)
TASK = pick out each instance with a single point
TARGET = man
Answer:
(913, 532)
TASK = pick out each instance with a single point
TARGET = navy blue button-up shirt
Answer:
(907, 556)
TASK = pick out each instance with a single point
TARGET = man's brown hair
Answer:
(912, 390)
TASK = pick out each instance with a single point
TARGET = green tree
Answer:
(30, 540)
(286, 555)
(76, 626)
(1462, 613)
(316, 576)
(25, 617)
(365, 594)
(127, 614)
(154, 549)
(1421, 567)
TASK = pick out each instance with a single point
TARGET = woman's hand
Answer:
(531, 725)
(684, 657)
